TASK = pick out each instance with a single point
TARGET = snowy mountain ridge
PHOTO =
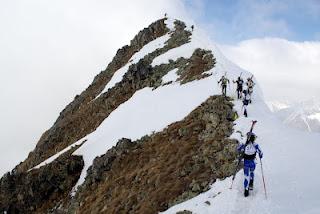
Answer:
(152, 133)
(304, 115)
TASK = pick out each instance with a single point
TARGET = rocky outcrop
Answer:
(143, 176)
(168, 167)
(85, 113)
(40, 190)
(200, 61)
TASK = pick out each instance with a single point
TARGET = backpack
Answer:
(250, 151)
(224, 81)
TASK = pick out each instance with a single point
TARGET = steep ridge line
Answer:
(84, 117)
(207, 152)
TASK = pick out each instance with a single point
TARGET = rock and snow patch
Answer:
(170, 23)
(152, 110)
(287, 153)
(148, 48)
(53, 157)
(171, 76)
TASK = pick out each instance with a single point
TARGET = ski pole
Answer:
(236, 170)
(234, 174)
(264, 183)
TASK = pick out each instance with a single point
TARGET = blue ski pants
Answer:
(248, 169)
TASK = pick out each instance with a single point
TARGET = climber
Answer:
(239, 82)
(250, 85)
(245, 101)
(224, 81)
(192, 28)
(248, 152)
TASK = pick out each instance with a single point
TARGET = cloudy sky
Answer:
(51, 50)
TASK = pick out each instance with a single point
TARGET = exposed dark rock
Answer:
(184, 212)
(40, 190)
(85, 113)
(163, 169)
(143, 176)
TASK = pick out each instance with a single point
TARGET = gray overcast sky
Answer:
(51, 50)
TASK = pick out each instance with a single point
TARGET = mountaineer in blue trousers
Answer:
(248, 151)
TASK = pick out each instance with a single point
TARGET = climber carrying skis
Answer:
(246, 100)
(248, 151)
(239, 82)
(224, 82)
(250, 85)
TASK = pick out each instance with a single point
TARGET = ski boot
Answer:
(251, 184)
(246, 193)
(245, 113)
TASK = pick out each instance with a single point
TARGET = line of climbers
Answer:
(243, 94)
(248, 150)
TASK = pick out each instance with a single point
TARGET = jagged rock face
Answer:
(143, 176)
(41, 189)
(158, 171)
(85, 113)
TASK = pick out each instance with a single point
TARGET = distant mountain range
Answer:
(303, 115)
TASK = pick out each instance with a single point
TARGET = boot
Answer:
(246, 193)
(251, 184)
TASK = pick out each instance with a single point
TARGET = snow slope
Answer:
(291, 169)
(288, 153)
(154, 109)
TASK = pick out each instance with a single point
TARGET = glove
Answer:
(260, 155)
